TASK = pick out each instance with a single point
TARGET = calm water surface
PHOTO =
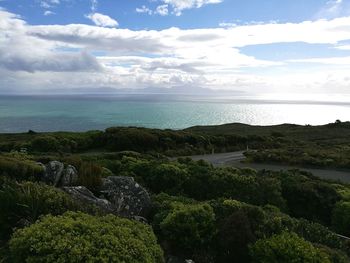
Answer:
(74, 113)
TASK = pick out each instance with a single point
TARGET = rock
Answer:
(69, 176)
(85, 196)
(173, 259)
(56, 174)
(128, 197)
(52, 172)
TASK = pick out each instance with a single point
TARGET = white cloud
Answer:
(102, 20)
(144, 9)
(180, 5)
(226, 24)
(94, 4)
(177, 6)
(56, 56)
(334, 9)
(162, 10)
(49, 3)
(343, 47)
(48, 13)
(327, 61)
(21, 52)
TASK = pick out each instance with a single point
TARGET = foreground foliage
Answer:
(77, 237)
(23, 203)
(206, 213)
(287, 248)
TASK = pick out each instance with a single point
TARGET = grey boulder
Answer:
(56, 174)
(128, 197)
(84, 196)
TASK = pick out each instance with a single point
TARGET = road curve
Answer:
(235, 159)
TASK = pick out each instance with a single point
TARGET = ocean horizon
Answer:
(45, 113)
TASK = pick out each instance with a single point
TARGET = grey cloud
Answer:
(120, 40)
(185, 67)
(56, 63)
(199, 37)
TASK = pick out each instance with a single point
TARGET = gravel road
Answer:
(236, 159)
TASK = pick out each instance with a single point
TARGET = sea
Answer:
(44, 113)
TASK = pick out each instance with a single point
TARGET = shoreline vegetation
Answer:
(126, 194)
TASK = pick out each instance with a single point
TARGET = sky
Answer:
(252, 46)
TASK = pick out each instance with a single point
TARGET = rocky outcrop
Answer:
(118, 194)
(85, 196)
(128, 197)
(56, 174)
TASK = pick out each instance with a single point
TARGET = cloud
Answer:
(21, 52)
(327, 61)
(58, 62)
(334, 9)
(177, 6)
(162, 10)
(49, 3)
(144, 9)
(227, 24)
(102, 20)
(94, 4)
(180, 5)
(343, 47)
(62, 56)
(48, 13)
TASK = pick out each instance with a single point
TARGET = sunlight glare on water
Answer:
(19, 114)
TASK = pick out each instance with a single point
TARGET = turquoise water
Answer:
(74, 113)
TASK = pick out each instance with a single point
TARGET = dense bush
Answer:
(166, 177)
(317, 233)
(287, 248)
(308, 197)
(90, 175)
(276, 222)
(22, 204)
(188, 227)
(334, 255)
(234, 235)
(77, 237)
(20, 169)
(45, 144)
(201, 181)
(341, 218)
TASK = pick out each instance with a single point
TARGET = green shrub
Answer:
(308, 197)
(277, 222)
(335, 255)
(90, 176)
(22, 204)
(188, 227)
(341, 218)
(45, 144)
(74, 160)
(77, 237)
(317, 233)
(286, 248)
(167, 178)
(20, 169)
(234, 235)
